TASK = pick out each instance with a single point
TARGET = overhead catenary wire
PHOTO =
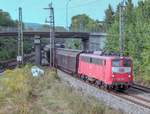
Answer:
(79, 5)
(128, 34)
(85, 4)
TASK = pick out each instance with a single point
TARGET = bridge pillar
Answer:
(97, 41)
(37, 45)
(85, 44)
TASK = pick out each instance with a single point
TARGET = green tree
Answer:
(83, 23)
(137, 36)
(109, 17)
(8, 47)
(5, 19)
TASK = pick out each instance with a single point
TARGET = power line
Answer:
(128, 34)
(80, 5)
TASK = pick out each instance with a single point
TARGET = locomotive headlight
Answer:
(113, 76)
(129, 76)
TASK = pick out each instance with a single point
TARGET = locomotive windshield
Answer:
(127, 63)
(116, 63)
(121, 66)
(121, 63)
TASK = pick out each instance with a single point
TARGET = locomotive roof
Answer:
(73, 53)
(68, 50)
(102, 56)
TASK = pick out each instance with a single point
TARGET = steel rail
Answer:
(130, 98)
(138, 97)
(140, 87)
(12, 63)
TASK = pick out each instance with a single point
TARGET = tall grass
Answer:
(20, 93)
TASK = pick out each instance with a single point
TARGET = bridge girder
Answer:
(79, 35)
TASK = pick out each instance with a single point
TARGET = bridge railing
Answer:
(15, 29)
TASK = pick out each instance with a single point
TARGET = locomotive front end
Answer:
(122, 72)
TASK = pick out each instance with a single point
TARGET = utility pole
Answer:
(121, 28)
(67, 4)
(20, 38)
(52, 34)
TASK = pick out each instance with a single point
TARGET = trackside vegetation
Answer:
(137, 36)
(20, 93)
(8, 45)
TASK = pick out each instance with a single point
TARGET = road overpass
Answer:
(90, 41)
(44, 34)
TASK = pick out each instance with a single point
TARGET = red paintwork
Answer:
(103, 72)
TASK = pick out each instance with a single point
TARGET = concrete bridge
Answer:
(46, 34)
(90, 41)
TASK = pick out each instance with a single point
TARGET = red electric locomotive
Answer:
(108, 71)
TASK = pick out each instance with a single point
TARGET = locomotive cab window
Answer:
(97, 61)
(116, 63)
(127, 63)
(121, 63)
(91, 60)
(85, 59)
(104, 62)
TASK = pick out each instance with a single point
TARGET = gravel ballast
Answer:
(109, 99)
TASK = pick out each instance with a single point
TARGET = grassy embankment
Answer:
(20, 93)
(142, 78)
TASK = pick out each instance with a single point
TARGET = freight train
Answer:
(111, 72)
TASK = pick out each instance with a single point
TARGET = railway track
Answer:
(12, 63)
(132, 97)
(122, 94)
(135, 99)
(141, 88)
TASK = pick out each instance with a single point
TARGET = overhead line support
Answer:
(52, 35)
(121, 28)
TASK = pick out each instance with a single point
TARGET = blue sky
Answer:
(33, 9)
